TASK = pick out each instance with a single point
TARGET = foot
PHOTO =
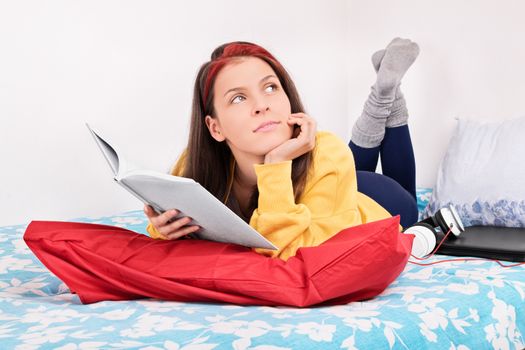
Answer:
(376, 59)
(393, 63)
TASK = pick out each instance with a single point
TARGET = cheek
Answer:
(283, 103)
(235, 124)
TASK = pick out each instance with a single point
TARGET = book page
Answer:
(118, 164)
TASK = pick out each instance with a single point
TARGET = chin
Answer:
(272, 140)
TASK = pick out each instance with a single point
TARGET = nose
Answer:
(261, 110)
(261, 106)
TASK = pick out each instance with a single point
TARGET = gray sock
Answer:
(399, 112)
(369, 129)
(399, 56)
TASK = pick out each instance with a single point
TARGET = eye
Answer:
(273, 86)
(235, 99)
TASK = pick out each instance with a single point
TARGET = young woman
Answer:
(252, 145)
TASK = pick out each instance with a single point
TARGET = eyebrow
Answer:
(241, 88)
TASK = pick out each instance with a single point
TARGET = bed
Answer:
(453, 305)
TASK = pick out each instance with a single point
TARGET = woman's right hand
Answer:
(170, 230)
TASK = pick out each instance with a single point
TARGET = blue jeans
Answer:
(395, 190)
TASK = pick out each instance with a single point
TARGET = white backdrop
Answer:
(127, 67)
(471, 65)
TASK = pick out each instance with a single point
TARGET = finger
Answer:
(304, 117)
(303, 121)
(297, 129)
(176, 225)
(183, 232)
(311, 130)
(186, 230)
(295, 118)
(148, 211)
(163, 218)
(299, 115)
(298, 121)
(307, 132)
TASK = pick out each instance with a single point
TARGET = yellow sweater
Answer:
(330, 201)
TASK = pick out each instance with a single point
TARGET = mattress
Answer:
(449, 305)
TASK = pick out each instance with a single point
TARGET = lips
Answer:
(265, 124)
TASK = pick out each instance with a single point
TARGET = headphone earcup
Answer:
(457, 218)
(424, 239)
(444, 217)
(438, 216)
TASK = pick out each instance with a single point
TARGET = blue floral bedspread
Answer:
(453, 305)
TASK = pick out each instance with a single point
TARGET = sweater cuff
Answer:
(153, 232)
(274, 181)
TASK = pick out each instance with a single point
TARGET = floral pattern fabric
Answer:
(503, 212)
(451, 305)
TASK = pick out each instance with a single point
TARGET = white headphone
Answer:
(425, 231)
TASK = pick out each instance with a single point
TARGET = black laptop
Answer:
(500, 243)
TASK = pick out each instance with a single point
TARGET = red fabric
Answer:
(100, 262)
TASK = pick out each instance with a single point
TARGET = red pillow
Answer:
(100, 262)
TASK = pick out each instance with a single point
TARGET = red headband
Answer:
(232, 50)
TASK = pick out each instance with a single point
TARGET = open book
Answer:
(164, 192)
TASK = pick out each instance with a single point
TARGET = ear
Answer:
(215, 128)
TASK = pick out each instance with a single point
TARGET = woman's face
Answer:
(251, 108)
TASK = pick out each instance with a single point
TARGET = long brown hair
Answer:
(210, 162)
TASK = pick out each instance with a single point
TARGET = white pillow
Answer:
(483, 174)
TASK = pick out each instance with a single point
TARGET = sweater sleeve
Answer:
(153, 233)
(328, 204)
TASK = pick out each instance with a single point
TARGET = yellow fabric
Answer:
(330, 201)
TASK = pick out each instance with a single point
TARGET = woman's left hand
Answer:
(302, 141)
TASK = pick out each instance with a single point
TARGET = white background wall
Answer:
(127, 67)
(471, 65)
